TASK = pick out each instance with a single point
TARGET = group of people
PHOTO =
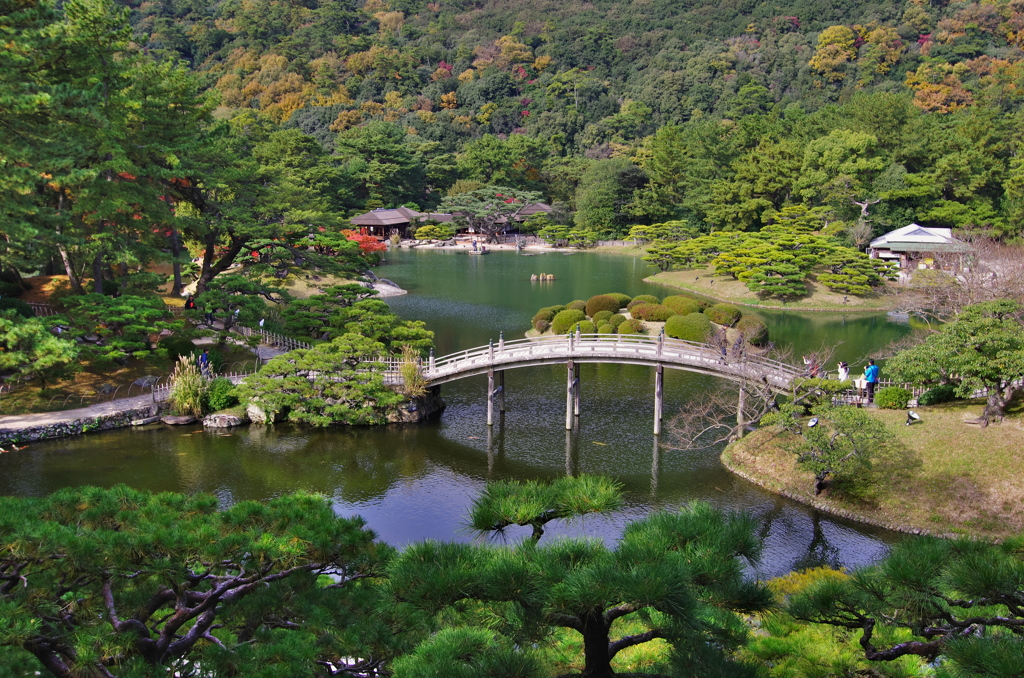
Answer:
(865, 385)
(869, 380)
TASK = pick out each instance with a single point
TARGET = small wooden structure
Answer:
(913, 244)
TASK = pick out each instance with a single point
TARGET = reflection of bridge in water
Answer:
(658, 352)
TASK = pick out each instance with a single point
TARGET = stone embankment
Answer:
(115, 414)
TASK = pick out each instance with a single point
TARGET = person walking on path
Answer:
(204, 363)
(871, 378)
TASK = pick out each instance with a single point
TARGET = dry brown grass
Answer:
(724, 288)
(969, 480)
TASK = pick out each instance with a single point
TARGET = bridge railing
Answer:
(617, 344)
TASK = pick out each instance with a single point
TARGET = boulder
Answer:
(260, 416)
(144, 421)
(172, 420)
(224, 421)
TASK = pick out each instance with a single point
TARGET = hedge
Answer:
(605, 328)
(602, 302)
(630, 327)
(723, 314)
(578, 305)
(616, 320)
(940, 394)
(893, 398)
(754, 331)
(563, 320)
(692, 327)
(655, 313)
(643, 299)
(601, 317)
(683, 305)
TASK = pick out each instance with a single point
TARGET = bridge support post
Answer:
(490, 398)
(741, 424)
(570, 372)
(501, 390)
(576, 394)
(659, 397)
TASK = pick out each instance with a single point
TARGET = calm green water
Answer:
(413, 482)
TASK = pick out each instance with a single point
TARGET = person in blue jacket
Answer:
(871, 378)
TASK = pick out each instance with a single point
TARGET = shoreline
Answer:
(838, 308)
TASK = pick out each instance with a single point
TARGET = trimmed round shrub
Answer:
(176, 346)
(220, 394)
(616, 320)
(18, 306)
(683, 305)
(547, 313)
(602, 302)
(601, 317)
(563, 320)
(754, 331)
(642, 299)
(940, 394)
(723, 314)
(692, 327)
(630, 326)
(655, 313)
(605, 328)
(585, 326)
(893, 398)
(623, 299)
(578, 305)
(541, 326)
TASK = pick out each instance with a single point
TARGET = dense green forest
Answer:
(249, 126)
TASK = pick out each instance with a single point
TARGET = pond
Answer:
(414, 482)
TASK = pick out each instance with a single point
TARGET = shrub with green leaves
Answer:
(683, 305)
(642, 299)
(220, 395)
(547, 313)
(601, 317)
(602, 302)
(176, 346)
(655, 313)
(723, 314)
(577, 305)
(18, 306)
(10, 289)
(630, 326)
(753, 329)
(563, 320)
(605, 328)
(692, 327)
(584, 326)
(940, 394)
(541, 326)
(893, 398)
(616, 320)
(623, 299)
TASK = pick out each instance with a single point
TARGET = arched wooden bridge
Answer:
(573, 349)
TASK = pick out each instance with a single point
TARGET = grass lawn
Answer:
(961, 479)
(724, 288)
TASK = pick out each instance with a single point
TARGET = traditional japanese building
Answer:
(913, 246)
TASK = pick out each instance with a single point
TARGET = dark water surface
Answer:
(414, 482)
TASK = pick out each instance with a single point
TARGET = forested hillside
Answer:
(865, 116)
(808, 101)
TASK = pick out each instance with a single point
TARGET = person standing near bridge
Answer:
(870, 379)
